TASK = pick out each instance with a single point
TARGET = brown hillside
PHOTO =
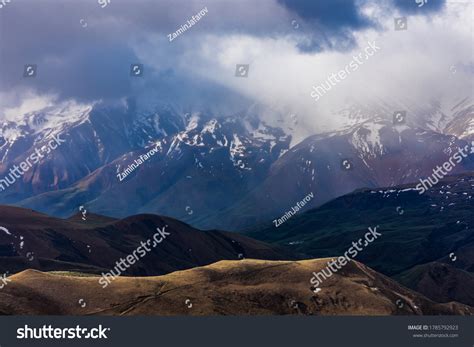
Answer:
(247, 287)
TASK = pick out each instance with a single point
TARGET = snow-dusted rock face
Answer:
(216, 170)
(193, 149)
(449, 117)
(93, 135)
(379, 154)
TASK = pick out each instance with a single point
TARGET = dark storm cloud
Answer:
(333, 15)
(93, 62)
(82, 63)
(330, 23)
(421, 7)
(84, 51)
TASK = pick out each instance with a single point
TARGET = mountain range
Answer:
(32, 240)
(427, 240)
(75, 213)
(221, 171)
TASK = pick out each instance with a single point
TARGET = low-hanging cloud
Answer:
(290, 46)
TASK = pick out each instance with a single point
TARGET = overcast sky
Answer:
(83, 53)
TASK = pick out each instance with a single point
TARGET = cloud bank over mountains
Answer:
(289, 45)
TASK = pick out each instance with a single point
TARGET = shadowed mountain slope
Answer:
(94, 245)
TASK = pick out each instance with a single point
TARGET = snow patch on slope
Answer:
(367, 140)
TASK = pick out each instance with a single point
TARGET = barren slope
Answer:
(247, 287)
